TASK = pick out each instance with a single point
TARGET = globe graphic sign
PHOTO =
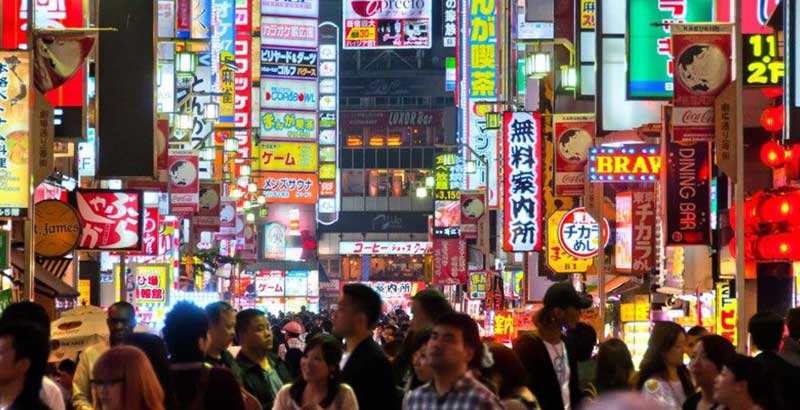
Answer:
(702, 68)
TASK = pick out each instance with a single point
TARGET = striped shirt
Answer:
(467, 394)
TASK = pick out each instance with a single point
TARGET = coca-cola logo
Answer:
(704, 117)
(572, 178)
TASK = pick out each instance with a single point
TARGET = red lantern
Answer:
(779, 209)
(749, 246)
(772, 92)
(772, 118)
(772, 154)
(779, 246)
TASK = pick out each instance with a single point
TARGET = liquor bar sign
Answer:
(523, 179)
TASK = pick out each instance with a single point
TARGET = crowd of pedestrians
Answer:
(435, 359)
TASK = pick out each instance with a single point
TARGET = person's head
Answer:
(221, 326)
(711, 352)
(766, 331)
(358, 310)
(186, 333)
(455, 344)
(66, 372)
(319, 363)
(389, 333)
(507, 372)
(29, 312)
(665, 351)
(793, 323)
(692, 336)
(121, 321)
(24, 348)
(156, 351)
(123, 379)
(254, 333)
(742, 379)
(422, 371)
(562, 306)
(426, 307)
(584, 338)
(293, 330)
(392, 349)
(614, 366)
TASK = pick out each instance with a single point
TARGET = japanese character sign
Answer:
(635, 232)
(522, 151)
(385, 248)
(15, 95)
(270, 283)
(558, 260)
(503, 326)
(288, 187)
(449, 261)
(151, 283)
(111, 220)
(579, 233)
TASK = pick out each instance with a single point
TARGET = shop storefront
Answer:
(385, 260)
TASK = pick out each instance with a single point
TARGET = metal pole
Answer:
(123, 277)
(598, 121)
(741, 320)
(28, 226)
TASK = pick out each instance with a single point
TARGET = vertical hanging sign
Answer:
(687, 188)
(522, 195)
(574, 136)
(329, 175)
(702, 55)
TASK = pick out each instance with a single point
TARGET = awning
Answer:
(612, 284)
(46, 282)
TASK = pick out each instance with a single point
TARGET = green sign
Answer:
(649, 52)
(5, 245)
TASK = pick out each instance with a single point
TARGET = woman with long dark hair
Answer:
(614, 367)
(662, 375)
(710, 354)
(421, 371)
(319, 385)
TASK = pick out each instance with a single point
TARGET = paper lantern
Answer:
(749, 247)
(779, 247)
(781, 208)
(772, 118)
(772, 154)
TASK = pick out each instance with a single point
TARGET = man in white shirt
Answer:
(547, 356)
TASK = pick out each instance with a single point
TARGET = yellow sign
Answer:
(327, 172)
(15, 97)
(726, 311)
(558, 259)
(627, 312)
(85, 292)
(151, 283)
(587, 14)
(286, 156)
(361, 33)
(642, 308)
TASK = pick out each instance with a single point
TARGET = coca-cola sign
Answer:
(693, 116)
(574, 136)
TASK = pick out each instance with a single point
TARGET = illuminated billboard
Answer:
(372, 24)
(631, 163)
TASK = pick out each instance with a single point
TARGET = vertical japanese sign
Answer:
(446, 198)
(478, 60)
(688, 188)
(50, 14)
(201, 19)
(587, 14)
(635, 232)
(223, 59)
(476, 289)
(151, 283)
(449, 261)
(110, 220)
(702, 69)
(15, 105)
(242, 100)
(522, 192)
(151, 232)
(574, 136)
(726, 310)
(649, 56)
(209, 206)
(184, 182)
(450, 23)
(329, 175)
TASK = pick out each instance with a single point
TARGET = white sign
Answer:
(288, 31)
(579, 233)
(294, 8)
(289, 94)
(374, 24)
(270, 283)
(385, 248)
(450, 30)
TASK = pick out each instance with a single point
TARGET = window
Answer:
(353, 183)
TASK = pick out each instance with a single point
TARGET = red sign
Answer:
(579, 233)
(574, 138)
(50, 14)
(45, 191)
(503, 326)
(184, 181)
(449, 261)
(111, 220)
(242, 80)
(635, 232)
(522, 183)
(288, 187)
(754, 14)
(702, 55)
(150, 232)
(210, 204)
(473, 206)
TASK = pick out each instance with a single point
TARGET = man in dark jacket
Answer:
(548, 357)
(791, 344)
(364, 365)
(263, 372)
(766, 330)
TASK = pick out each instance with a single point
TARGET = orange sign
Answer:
(57, 228)
(288, 187)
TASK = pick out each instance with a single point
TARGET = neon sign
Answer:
(640, 163)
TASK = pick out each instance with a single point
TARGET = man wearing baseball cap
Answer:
(547, 356)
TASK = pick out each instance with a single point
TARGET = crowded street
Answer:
(399, 204)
